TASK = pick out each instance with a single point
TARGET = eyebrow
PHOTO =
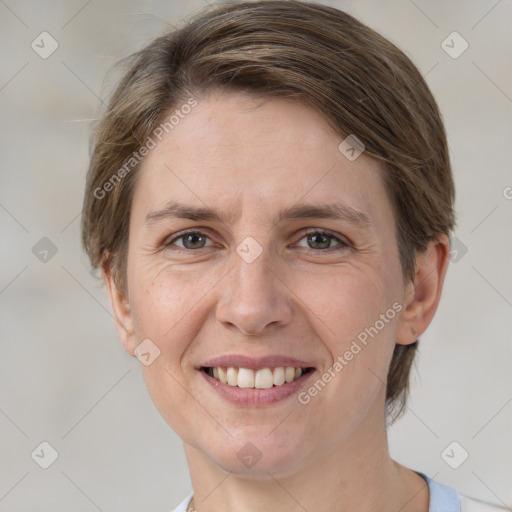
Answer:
(336, 211)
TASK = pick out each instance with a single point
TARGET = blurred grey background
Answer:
(65, 378)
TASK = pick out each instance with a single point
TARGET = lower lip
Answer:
(257, 397)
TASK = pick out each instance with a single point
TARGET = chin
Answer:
(257, 455)
(255, 464)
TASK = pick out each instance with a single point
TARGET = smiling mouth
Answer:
(264, 378)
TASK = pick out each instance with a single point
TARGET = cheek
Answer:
(161, 300)
(166, 309)
(356, 322)
(344, 302)
(171, 306)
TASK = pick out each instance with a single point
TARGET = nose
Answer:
(254, 298)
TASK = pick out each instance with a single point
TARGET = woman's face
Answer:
(272, 277)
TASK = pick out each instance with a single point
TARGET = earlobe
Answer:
(422, 296)
(121, 311)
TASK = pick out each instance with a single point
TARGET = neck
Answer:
(355, 475)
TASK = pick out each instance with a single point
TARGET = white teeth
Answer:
(222, 375)
(245, 378)
(232, 376)
(279, 376)
(289, 374)
(264, 378)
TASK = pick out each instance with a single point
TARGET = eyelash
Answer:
(342, 243)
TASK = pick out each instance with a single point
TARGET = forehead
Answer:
(241, 153)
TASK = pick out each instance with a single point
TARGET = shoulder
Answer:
(182, 507)
(442, 498)
(473, 505)
(447, 499)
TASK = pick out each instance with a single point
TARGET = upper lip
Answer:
(255, 363)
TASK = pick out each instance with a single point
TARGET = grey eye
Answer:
(321, 240)
(193, 241)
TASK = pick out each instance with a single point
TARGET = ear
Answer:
(422, 296)
(121, 310)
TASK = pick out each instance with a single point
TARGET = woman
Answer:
(270, 202)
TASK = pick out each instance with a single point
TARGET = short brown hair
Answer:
(358, 80)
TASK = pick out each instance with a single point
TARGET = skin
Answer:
(248, 158)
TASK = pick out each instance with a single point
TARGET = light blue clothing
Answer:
(442, 499)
